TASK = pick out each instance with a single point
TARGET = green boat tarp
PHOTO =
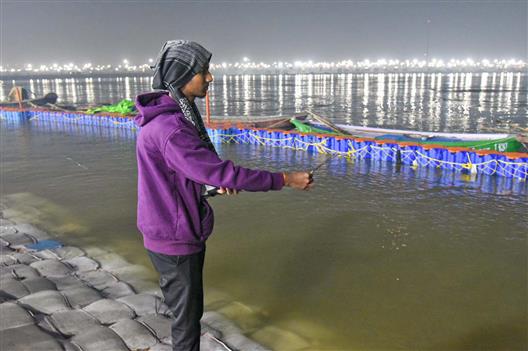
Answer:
(510, 144)
(124, 107)
(306, 128)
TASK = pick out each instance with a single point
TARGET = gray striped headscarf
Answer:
(177, 63)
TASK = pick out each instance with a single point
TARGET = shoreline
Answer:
(57, 297)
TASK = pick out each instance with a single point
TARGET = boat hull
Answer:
(49, 98)
(496, 142)
(278, 122)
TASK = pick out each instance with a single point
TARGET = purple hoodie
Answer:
(173, 163)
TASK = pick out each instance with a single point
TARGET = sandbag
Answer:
(7, 229)
(25, 258)
(144, 304)
(166, 347)
(46, 302)
(7, 260)
(4, 244)
(98, 279)
(6, 222)
(134, 334)
(68, 346)
(218, 322)
(18, 239)
(29, 337)
(67, 252)
(51, 268)
(207, 329)
(19, 271)
(81, 296)
(14, 316)
(13, 287)
(5, 297)
(135, 275)
(117, 290)
(110, 261)
(82, 264)
(99, 339)
(158, 324)
(231, 334)
(46, 255)
(241, 342)
(210, 343)
(38, 284)
(72, 322)
(32, 230)
(109, 311)
(67, 282)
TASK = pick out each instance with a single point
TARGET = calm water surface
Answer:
(374, 258)
(456, 102)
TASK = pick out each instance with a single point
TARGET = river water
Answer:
(453, 102)
(376, 257)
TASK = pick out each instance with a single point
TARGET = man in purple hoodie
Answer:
(178, 168)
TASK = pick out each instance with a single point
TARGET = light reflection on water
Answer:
(376, 257)
(457, 102)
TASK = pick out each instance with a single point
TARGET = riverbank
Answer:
(57, 297)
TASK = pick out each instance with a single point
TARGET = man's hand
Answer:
(298, 180)
(222, 191)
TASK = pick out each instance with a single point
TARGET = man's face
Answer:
(198, 85)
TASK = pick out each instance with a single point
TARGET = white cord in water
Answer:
(218, 341)
(77, 163)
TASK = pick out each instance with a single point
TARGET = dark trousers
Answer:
(181, 284)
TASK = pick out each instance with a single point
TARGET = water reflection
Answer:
(128, 94)
(366, 91)
(281, 92)
(225, 100)
(456, 102)
(247, 93)
(90, 96)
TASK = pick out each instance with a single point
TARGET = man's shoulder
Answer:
(161, 129)
(165, 124)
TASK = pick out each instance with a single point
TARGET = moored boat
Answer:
(502, 142)
(49, 98)
(20, 97)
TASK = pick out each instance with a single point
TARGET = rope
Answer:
(421, 159)
(473, 167)
(296, 143)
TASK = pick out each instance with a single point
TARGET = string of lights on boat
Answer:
(247, 66)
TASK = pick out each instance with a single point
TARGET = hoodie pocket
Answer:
(177, 203)
(206, 219)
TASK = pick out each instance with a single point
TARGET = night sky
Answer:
(44, 32)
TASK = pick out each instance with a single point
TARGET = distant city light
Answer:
(298, 66)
